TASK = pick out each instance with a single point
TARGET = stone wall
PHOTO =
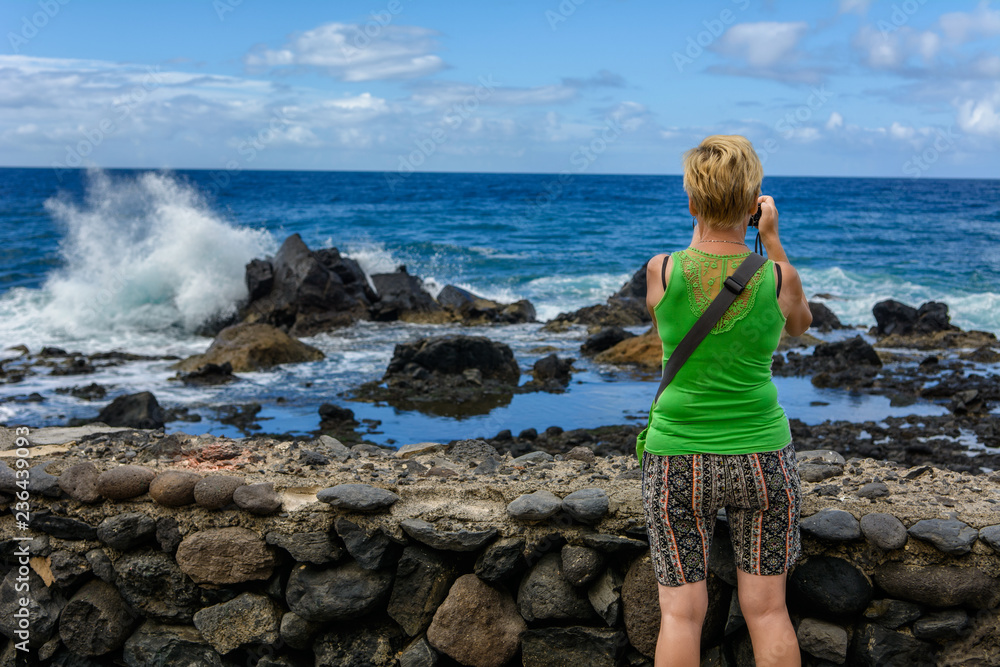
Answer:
(152, 550)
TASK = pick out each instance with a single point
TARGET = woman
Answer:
(718, 437)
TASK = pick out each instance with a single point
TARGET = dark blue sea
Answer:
(136, 260)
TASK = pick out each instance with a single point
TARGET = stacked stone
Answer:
(554, 588)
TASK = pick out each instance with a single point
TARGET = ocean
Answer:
(135, 260)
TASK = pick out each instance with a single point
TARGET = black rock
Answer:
(581, 565)
(296, 631)
(832, 525)
(101, 565)
(259, 278)
(372, 550)
(209, 375)
(357, 497)
(605, 339)
(894, 317)
(359, 644)
(247, 619)
(537, 506)
(884, 531)
(552, 370)
(62, 527)
(41, 482)
(605, 595)
(572, 647)
(875, 646)
(66, 567)
(823, 317)
(336, 594)
(168, 535)
(401, 294)
(156, 644)
(471, 451)
(447, 540)
(614, 544)
(133, 411)
(315, 547)
(126, 531)
(891, 613)
(44, 607)
(545, 595)
(96, 620)
(948, 535)
(419, 654)
(501, 561)
(847, 353)
(827, 586)
(586, 505)
(938, 586)
(941, 625)
(453, 355)
(991, 536)
(152, 583)
(421, 584)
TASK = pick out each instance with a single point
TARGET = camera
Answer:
(755, 218)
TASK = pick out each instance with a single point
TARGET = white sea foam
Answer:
(141, 256)
(556, 294)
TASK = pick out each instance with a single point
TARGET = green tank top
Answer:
(722, 401)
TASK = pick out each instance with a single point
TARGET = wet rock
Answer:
(945, 625)
(581, 565)
(157, 644)
(501, 561)
(216, 491)
(260, 498)
(225, 556)
(308, 291)
(252, 347)
(948, 535)
(153, 584)
(875, 646)
(79, 482)
(259, 278)
(823, 640)
(572, 647)
(477, 624)
(419, 654)
(62, 527)
(339, 593)
(893, 317)
(209, 375)
(545, 595)
(373, 550)
(44, 607)
(174, 488)
(938, 586)
(402, 296)
(605, 595)
(537, 506)
(823, 318)
(640, 604)
(134, 410)
(645, 351)
(357, 497)
(550, 373)
(249, 618)
(126, 531)
(365, 644)
(586, 505)
(829, 586)
(832, 525)
(96, 620)
(884, 531)
(605, 339)
(314, 547)
(473, 309)
(124, 482)
(447, 540)
(421, 584)
(296, 631)
(892, 613)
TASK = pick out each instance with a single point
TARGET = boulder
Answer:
(126, 531)
(581, 565)
(225, 556)
(174, 488)
(891, 613)
(645, 351)
(96, 620)
(307, 292)
(893, 317)
(605, 339)
(537, 506)
(823, 318)
(453, 355)
(357, 497)
(157, 644)
(501, 561)
(939, 585)
(477, 625)
(209, 375)
(421, 584)
(586, 505)
(249, 618)
(134, 411)
(252, 347)
(259, 498)
(403, 297)
(546, 595)
(875, 646)
(551, 373)
(829, 587)
(832, 525)
(473, 309)
(316, 547)
(572, 647)
(296, 631)
(44, 606)
(339, 593)
(366, 643)
(823, 639)
(216, 491)
(948, 535)
(372, 549)
(460, 539)
(123, 482)
(641, 606)
(79, 482)
(884, 531)
(152, 583)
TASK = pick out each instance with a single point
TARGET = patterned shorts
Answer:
(681, 495)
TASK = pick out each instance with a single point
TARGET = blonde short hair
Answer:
(722, 176)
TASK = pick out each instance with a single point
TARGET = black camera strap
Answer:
(732, 288)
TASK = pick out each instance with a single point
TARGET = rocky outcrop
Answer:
(403, 297)
(472, 309)
(305, 292)
(823, 318)
(140, 410)
(624, 308)
(893, 317)
(645, 351)
(251, 347)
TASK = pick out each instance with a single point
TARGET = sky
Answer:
(907, 88)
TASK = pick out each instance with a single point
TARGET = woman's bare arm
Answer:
(792, 299)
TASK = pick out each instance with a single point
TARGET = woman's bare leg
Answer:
(762, 601)
(682, 613)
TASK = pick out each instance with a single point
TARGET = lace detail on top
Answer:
(704, 274)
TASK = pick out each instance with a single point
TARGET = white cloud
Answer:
(856, 6)
(349, 53)
(836, 121)
(980, 116)
(893, 50)
(962, 27)
(902, 132)
(762, 44)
